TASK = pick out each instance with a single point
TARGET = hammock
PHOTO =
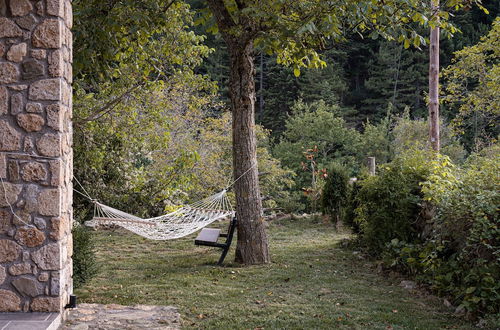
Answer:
(179, 223)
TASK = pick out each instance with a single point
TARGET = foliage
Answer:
(317, 127)
(472, 87)
(376, 141)
(466, 225)
(408, 133)
(335, 192)
(389, 203)
(84, 262)
(438, 222)
(397, 77)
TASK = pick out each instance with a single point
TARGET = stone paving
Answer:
(30, 321)
(107, 317)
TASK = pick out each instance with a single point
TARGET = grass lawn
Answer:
(312, 283)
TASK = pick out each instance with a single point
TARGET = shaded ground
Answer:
(312, 283)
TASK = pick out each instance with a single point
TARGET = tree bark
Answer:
(252, 245)
(434, 83)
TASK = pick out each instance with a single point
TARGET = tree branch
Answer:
(221, 14)
(108, 107)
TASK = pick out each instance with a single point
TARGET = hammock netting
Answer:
(184, 221)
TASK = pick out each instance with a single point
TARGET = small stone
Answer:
(29, 145)
(54, 118)
(56, 63)
(34, 107)
(44, 304)
(47, 89)
(3, 274)
(49, 145)
(40, 223)
(43, 277)
(10, 193)
(5, 220)
(10, 139)
(55, 284)
(17, 52)
(3, 166)
(20, 269)
(8, 72)
(9, 251)
(55, 8)
(18, 87)
(8, 29)
(29, 236)
(16, 103)
(49, 202)
(68, 15)
(48, 257)
(27, 257)
(59, 227)
(32, 69)
(56, 173)
(2, 49)
(48, 34)
(4, 100)
(27, 22)
(34, 171)
(409, 285)
(13, 170)
(30, 122)
(28, 286)
(39, 8)
(9, 301)
(31, 192)
(39, 54)
(22, 218)
(20, 7)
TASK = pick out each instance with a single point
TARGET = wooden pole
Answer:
(434, 81)
(371, 165)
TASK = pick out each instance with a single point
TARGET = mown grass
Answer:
(312, 283)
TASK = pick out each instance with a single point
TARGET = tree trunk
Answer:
(252, 246)
(434, 83)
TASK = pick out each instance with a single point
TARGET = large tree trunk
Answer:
(434, 83)
(252, 246)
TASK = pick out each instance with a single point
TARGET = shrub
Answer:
(457, 253)
(467, 226)
(389, 203)
(84, 264)
(352, 204)
(335, 192)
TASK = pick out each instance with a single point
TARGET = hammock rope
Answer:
(182, 222)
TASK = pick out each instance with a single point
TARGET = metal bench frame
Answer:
(224, 246)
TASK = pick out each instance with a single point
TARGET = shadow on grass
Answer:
(311, 283)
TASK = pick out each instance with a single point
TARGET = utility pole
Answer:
(434, 80)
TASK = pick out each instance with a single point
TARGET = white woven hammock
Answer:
(184, 221)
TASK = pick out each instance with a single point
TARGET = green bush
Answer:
(456, 251)
(84, 264)
(352, 204)
(467, 226)
(389, 203)
(335, 192)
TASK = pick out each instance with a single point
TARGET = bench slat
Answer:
(208, 235)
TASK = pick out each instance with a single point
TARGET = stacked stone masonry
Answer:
(35, 155)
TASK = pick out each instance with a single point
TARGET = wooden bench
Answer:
(210, 236)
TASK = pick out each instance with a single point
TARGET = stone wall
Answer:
(35, 155)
